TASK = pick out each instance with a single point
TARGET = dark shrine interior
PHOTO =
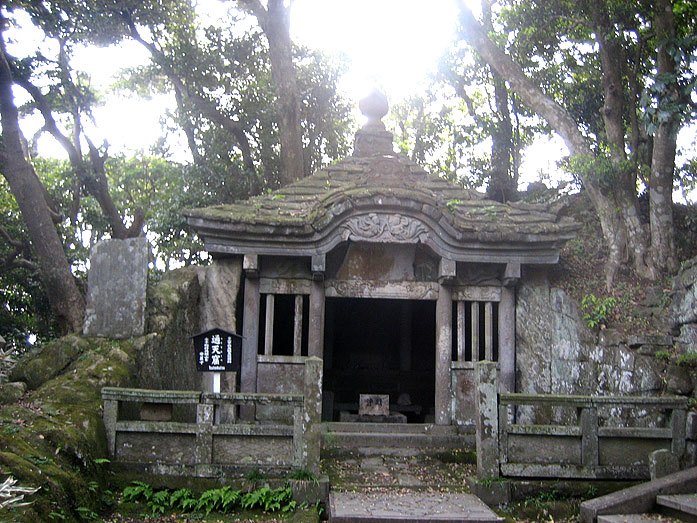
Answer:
(380, 346)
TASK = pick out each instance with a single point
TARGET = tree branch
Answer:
(205, 106)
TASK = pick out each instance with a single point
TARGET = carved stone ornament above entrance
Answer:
(385, 228)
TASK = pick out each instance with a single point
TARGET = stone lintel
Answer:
(381, 289)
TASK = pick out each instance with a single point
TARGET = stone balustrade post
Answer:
(487, 420)
(110, 416)
(589, 436)
(204, 433)
(311, 416)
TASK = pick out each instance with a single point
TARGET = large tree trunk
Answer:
(66, 301)
(663, 159)
(563, 123)
(613, 112)
(502, 186)
(275, 22)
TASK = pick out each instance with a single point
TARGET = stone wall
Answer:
(556, 353)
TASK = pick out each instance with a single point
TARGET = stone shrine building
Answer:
(399, 280)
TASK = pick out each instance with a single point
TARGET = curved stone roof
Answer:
(383, 197)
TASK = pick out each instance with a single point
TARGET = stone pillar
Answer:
(110, 416)
(487, 421)
(315, 337)
(507, 339)
(204, 434)
(312, 414)
(250, 331)
(589, 437)
(444, 334)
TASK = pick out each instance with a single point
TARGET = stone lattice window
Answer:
(475, 331)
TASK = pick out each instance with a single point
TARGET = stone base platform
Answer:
(393, 505)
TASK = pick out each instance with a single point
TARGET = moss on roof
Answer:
(393, 182)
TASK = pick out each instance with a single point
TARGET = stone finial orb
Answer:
(374, 107)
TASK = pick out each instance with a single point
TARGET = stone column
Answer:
(444, 333)
(312, 414)
(507, 339)
(315, 336)
(250, 331)
(486, 401)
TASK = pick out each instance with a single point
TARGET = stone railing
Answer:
(587, 449)
(205, 448)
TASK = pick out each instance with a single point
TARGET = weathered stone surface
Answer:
(687, 341)
(639, 498)
(679, 380)
(662, 462)
(637, 340)
(167, 359)
(11, 392)
(156, 412)
(683, 307)
(220, 283)
(46, 362)
(374, 404)
(557, 354)
(117, 284)
(691, 426)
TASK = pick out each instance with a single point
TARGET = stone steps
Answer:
(406, 505)
(393, 436)
(682, 506)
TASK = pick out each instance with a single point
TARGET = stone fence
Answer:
(204, 448)
(589, 449)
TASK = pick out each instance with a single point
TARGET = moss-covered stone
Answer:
(48, 361)
(52, 439)
(11, 392)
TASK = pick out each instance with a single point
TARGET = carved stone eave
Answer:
(381, 226)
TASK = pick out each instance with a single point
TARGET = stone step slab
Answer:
(387, 440)
(389, 428)
(634, 518)
(686, 503)
(406, 505)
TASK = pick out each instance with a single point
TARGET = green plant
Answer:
(303, 475)
(40, 460)
(689, 358)
(86, 513)
(138, 491)
(662, 355)
(255, 475)
(597, 311)
(58, 515)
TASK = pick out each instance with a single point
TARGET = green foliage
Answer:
(597, 311)
(255, 475)
(689, 358)
(224, 500)
(662, 355)
(303, 475)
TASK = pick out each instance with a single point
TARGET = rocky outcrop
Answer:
(185, 302)
(53, 436)
(556, 353)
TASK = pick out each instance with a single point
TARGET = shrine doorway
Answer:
(380, 346)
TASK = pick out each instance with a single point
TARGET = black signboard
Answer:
(217, 350)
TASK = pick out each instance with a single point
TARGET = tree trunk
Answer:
(613, 111)
(563, 123)
(66, 301)
(275, 22)
(502, 187)
(663, 159)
